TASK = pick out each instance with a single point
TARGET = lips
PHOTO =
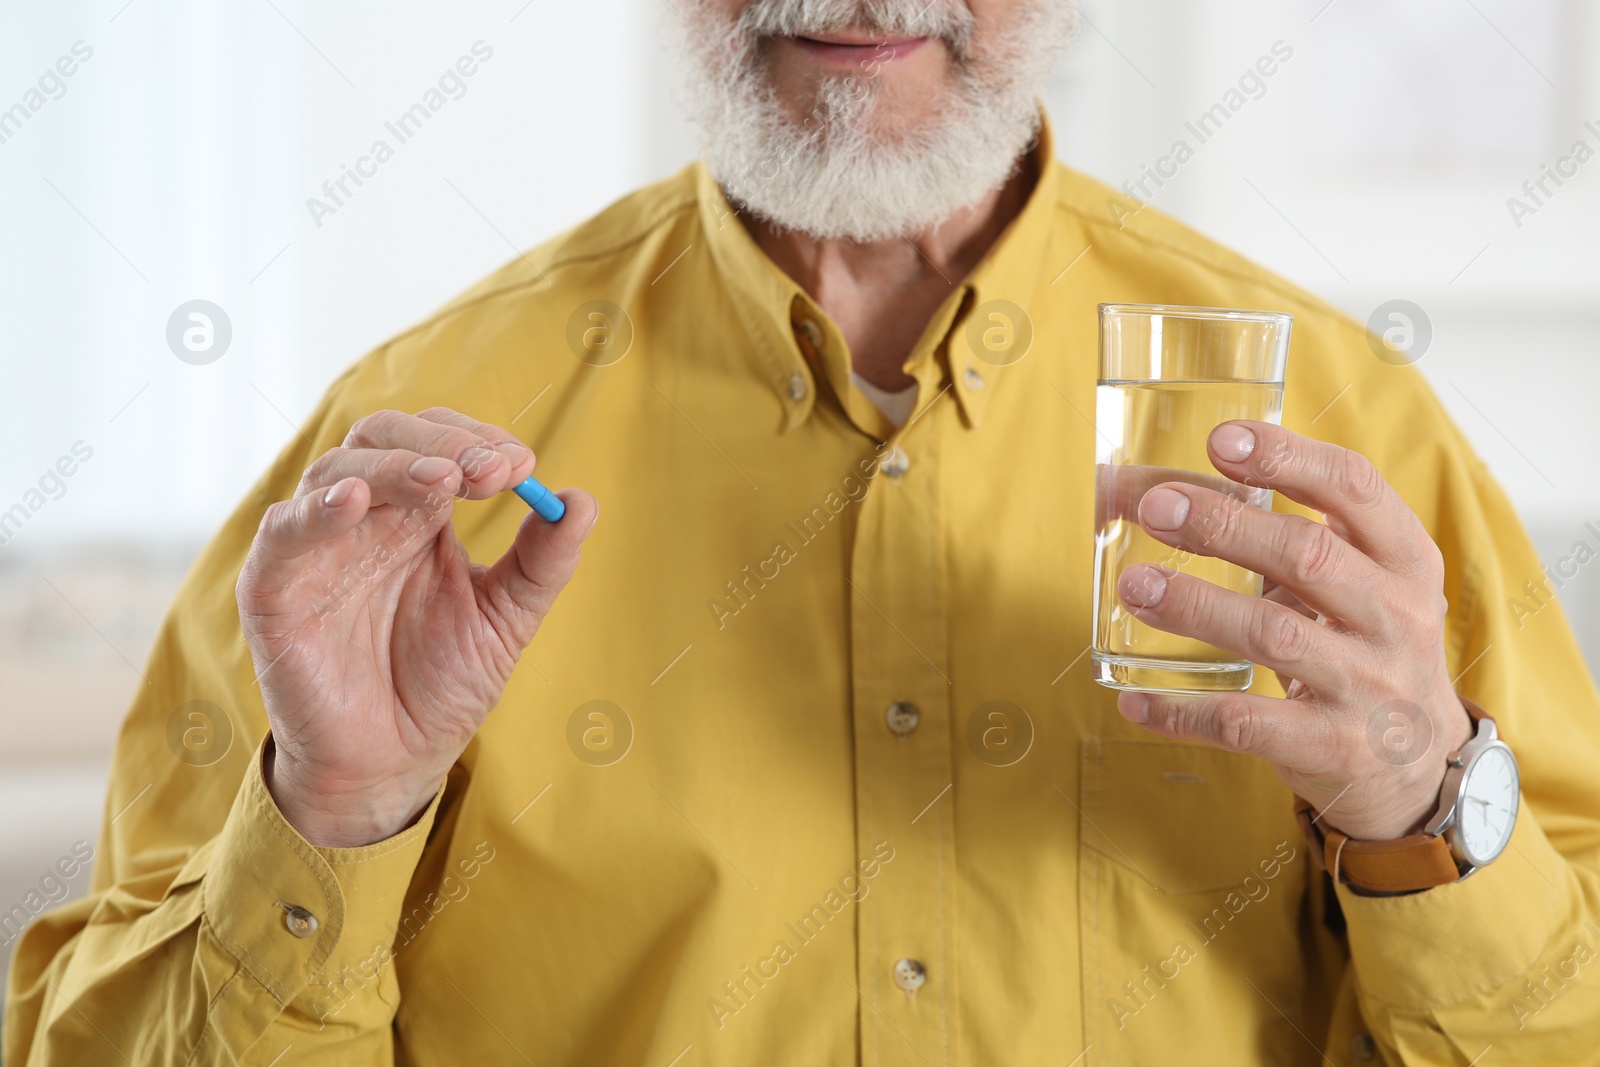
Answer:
(852, 48)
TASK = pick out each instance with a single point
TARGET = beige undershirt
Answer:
(896, 407)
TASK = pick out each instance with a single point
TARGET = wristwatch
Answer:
(1477, 810)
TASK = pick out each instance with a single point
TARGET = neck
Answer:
(881, 294)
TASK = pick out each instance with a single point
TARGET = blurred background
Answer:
(1385, 159)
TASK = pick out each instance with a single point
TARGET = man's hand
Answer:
(1360, 655)
(379, 645)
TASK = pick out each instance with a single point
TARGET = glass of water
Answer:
(1168, 377)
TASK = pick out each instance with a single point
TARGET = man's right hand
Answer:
(380, 647)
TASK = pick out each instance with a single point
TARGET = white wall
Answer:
(191, 142)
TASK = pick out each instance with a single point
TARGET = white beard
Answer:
(840, 174)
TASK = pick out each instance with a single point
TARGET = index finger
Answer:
(489, 463)
(1343, 485)
(522, 462)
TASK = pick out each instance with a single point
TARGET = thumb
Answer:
(523, 584)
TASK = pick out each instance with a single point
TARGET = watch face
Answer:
(1488, 805)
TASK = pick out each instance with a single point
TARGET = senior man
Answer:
(809, 766)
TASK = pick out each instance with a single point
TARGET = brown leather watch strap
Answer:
(1419, 861)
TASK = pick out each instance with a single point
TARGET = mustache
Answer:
(946, 19)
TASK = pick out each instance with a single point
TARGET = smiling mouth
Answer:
(855, 48)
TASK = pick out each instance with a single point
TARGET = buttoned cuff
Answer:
(291, 912)
(1432, 948)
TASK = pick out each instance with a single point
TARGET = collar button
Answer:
(301, 923)
(797, 387)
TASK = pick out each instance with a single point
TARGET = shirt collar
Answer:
(980, 330)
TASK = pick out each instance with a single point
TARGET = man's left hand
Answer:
(1353, 624)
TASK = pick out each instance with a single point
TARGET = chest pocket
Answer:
(1191, 878)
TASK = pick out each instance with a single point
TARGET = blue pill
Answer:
(546, 504)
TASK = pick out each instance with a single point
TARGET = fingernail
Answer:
(515, 452)
(1233, 442)
(1164, 509)
(1143, 585)
(430, 469)
(339, 492)
(476, 460)
(1135, 707)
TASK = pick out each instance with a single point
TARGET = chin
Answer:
(897, 117)
(902, 112)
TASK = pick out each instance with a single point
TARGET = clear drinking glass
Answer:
(1168, 377)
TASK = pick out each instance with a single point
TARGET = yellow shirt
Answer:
(818, 702)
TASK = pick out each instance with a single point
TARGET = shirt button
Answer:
(903, 717)
(811, 332)
(797, 387)
(896, 463)
(910, 974)
(973, 379)
(1363, 1048)
(301, 923)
